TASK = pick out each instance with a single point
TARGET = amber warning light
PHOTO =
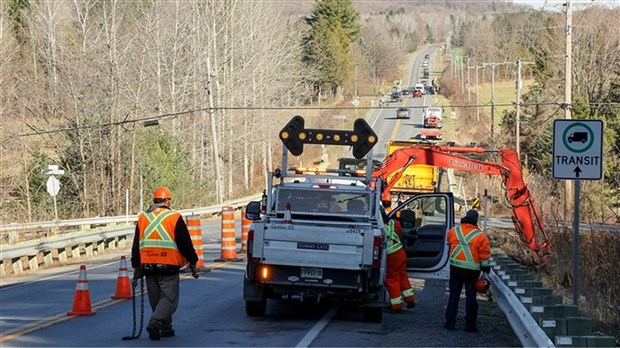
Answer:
(362, 138)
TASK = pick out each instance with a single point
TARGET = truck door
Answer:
(425, 220)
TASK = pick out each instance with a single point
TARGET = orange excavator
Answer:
(525, 215)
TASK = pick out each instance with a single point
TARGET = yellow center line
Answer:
(395, 131)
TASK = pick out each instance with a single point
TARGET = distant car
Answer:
(396, 97)
(403, 113)
(405, 91)
(426, 56)
(417, 93)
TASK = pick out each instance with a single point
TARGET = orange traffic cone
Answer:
(81, 301)
(123, 290)
(287, 214)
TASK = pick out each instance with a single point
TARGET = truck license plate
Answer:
(312, 272)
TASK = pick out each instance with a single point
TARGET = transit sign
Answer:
(578, 149)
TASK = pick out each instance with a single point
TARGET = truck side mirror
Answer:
(252, 211)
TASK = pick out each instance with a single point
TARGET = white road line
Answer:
(17, 285)
(316, 330)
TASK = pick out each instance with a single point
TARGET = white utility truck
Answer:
(316, 234)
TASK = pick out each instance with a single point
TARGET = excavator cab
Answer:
(425, 220)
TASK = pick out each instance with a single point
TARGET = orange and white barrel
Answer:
(229, 242)
(245, 228)
(193, 225)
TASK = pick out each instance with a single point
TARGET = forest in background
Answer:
(82, 79)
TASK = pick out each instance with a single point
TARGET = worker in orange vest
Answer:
(470, 251)
(397, 280)
(161, 246)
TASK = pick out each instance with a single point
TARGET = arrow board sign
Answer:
(578, 149)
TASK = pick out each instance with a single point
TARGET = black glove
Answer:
(194, 271)
(138, 273)
(485, 269)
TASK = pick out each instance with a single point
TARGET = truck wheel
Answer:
(256, 308)
(373, 314)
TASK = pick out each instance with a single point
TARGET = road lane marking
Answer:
(59, 318)
(316, 330)
(395, 131)
(17, 285)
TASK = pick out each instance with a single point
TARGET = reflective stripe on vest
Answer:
(155, 225)
(393, 242)
(463, 247)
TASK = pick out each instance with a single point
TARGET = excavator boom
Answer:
(525, 215)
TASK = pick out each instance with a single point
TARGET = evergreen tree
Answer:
(337, 11)
(334, 26)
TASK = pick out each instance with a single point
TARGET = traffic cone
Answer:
(81, 301)
(287, 214)
(123, 290)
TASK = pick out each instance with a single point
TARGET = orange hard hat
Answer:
(162, 192)
(481, 285)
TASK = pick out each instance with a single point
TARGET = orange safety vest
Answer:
(157, 240)
(469, 247)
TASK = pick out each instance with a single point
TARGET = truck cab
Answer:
(433, 116)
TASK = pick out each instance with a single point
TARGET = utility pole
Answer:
(216, 151)
(518, 87)
(492, 102)
(568, 188)
(468, 82)
(356, 94)
(477, 94)
(518, 104)
(462, 76)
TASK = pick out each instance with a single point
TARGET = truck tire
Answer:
(256, 308)
(373, 314)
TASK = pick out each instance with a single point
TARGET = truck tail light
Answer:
(376, 252)
(264, 273)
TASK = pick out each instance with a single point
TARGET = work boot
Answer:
(166, 333)
(153, 332)
(448, 326)
(471, 329)
(410, 304)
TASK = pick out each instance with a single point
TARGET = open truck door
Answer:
(426, 219)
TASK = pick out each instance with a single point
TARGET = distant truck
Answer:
(433, 116)
(416, 178)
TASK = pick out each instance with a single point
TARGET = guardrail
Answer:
(212, 210)
(538, 317)
(115, 232)
(522, 323)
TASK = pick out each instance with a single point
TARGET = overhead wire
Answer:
(36, 131)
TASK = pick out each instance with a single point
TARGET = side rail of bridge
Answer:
(90, 237)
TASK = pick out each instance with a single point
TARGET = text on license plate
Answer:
(312, 272)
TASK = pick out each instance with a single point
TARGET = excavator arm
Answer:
(525, 215)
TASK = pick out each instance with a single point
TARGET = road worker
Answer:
(161, 246)
(397, 280)
(470, 251)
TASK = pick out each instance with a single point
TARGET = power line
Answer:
(593, 105)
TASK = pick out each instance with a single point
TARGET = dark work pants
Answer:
(163, 292)
(471, 305)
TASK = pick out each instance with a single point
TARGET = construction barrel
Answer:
(193, 225)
